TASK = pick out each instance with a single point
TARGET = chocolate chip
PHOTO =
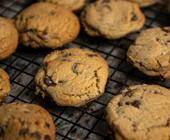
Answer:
(67, 54)
(74, 68)
(168, 122)
(1, 132)
(129, 93)
(37, 123)
(136, 103)
(36, 135)
(134, 17)
(52, 13)
(120, 104)
(62, 82)
(23, 132)
(48, 81)
(47, 137)
(166, 30)
(65, 60)
(134, 127)
(127, 103)
(92, 55)
(47, 124)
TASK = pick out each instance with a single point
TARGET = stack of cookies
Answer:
(74, 76)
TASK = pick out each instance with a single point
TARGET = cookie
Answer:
(8, 38)
(4, 85)
(47, 25)
(21, 121)
(112, 19)
(140, 112)
(145, 3)
(72, 5)
(151, 52)
(72, 77)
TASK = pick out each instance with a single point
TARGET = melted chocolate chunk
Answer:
(23, 132)
(67, 54)
(134, 17)
(129, 93)
(65, 60)
(127, 103)
(74, 68)
(62, 82)
(165, 30)
(2, 133)
(92, 55)
(37, 135)
(134, 127)
(47, 124)
(120, 104)
(136, 103)
(47, 137)
(48, 81)
(168, 122)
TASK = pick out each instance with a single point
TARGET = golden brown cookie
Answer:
(112, 19)
(140, 112)
(72, 5)
(4, 85)
(19, 121)
(72, 77)
(47, 25)
(8, 38)
(151, 52)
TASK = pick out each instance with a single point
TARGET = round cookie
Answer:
(19, 121)
(8, 38)
(145, 3)
(47, 25)
(72, 5)
(140, 112)
(4, 85)
(72, 77)
(112, 19)
(151, 52)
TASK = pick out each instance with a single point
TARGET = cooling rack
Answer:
(86, 123)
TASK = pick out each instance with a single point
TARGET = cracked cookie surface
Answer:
(151, 52)
(140, 112)
(112, 19)
(8, 38)
(4, 85)
(72, 77)
(72, 5)
(47, 25)
(19, 121)
(145, 3)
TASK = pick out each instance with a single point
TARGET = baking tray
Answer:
(87, 122)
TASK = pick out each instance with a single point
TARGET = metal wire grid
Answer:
(86, 122)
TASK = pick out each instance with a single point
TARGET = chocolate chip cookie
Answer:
(72, 5)
(72, 77)
(47, 25)
(112, 19)
(19, 121)
(8, 38)
(140, 112)
(151, 52)
(145, 3)
(4, 85)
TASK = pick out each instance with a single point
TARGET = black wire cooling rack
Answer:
(87, 122)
